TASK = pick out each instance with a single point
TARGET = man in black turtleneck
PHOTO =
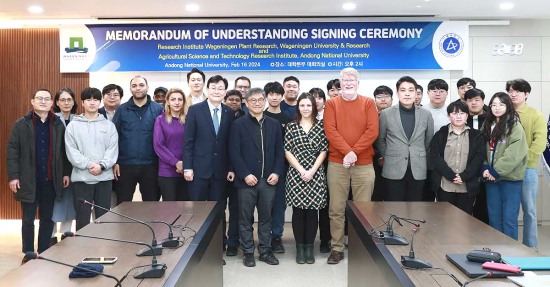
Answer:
(406, 131)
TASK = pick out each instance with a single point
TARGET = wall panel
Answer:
(29, 60)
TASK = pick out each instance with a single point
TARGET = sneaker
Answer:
(269, 258)
(324, 247)
(335, 257)
(248, 260)
(277, 245)
(232, 251)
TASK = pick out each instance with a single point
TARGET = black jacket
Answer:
(476, 156)
(21, 162)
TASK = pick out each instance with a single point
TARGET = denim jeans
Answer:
(503, 200)
(529, 207)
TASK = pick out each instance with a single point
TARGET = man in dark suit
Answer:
(205, 154)
(257, 155)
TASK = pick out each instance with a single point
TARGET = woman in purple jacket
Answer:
(168, 143)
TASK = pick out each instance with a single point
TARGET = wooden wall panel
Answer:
(29, 60)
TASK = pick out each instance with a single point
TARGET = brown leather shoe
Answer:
(335, 257)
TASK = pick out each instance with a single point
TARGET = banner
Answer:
(307, 46)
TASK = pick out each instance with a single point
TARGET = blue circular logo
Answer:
(451, 45)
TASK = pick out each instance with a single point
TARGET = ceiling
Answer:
(159, 10)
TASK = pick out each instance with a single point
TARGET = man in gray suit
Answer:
(406, 131)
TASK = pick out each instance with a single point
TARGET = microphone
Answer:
(156, 270)
(33, 255)
(156, 248)
(488, 274)
(169, 242)
(390, 238)
(411, 261)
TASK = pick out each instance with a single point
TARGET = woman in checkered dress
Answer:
(306, 190)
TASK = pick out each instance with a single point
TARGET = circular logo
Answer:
(451, 45)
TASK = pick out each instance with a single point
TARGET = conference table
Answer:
(197, 263)
(448, 230)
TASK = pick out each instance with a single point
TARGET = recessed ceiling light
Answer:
(35, 9)
(192, 7)
(349, 6)
(418, 6)
(506, 6)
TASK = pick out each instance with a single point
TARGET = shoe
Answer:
(248, 260)
(25, 260)
(300, 258)
(308, 253)
(335, 257)
(269, 258)
(232, 251)
(53, 241)
(277, 245)
(223, 261)
(324, 247)
(63, 236)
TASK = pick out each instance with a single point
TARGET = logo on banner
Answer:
(76, 45)
(451, 45)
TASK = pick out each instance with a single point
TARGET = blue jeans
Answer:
(503, 200)
(529, 207)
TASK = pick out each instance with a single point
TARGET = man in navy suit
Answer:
(257, 155)
(205, 154)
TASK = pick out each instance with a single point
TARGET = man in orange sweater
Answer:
(351, 127)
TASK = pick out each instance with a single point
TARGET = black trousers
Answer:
(131, 175)
(460, 200)
(427, 193)
(173, 188)
(304, 225)
(99, 194)
(405, 189)
(44, 200)
(324, 223)
(211, 189)
(379, 182)
(480, 205)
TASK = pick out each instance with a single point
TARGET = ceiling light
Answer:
(349, 6)
(192, 7)
(506, 6)
(418, 6)
(35, 9)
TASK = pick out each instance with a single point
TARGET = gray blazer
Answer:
(397, 150)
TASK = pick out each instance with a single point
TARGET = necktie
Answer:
(215, 120)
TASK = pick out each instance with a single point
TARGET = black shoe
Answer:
(324, 247)
(25, 260)
(300, 257)
(308, 253)
(232, 251)
(269, 258)
(53, 241)
(248, 260)
(277, 245)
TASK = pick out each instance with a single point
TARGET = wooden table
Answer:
(197, 263)
(447, 230)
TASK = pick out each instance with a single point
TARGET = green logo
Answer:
(76, 45)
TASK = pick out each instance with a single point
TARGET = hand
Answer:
(273, 179)
(308, 175)
(94, 168)
(251, 180)
(14, 185)
(381, 161)
(350, 158)
(188, 175)
(116, 171)
(457, 179)
(230, 176)
(179, 166)
(66, 181)
(487, 175)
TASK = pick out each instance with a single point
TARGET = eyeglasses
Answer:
(382, 97)
(458, 114)
(349, 80)
(254, 101)
(498, 106)
(44, 100)
(220, 89)
(66, 101)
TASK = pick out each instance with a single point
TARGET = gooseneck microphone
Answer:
(391, 238)
(33, 255)
(488, 274)
(156, 270)
(411, 261)
(169, 242)
(156, 248)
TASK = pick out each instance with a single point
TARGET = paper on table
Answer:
(530, 279)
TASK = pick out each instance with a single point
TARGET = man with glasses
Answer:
(243, 84)
(383, 97)
(38, 168)
(205, 152)
(463, 85)
(534, 125)
(112, 95)
(257, 155)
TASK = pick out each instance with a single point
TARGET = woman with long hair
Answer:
(64, 106)
(306, 147)
(168, 143)
(505, 164)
